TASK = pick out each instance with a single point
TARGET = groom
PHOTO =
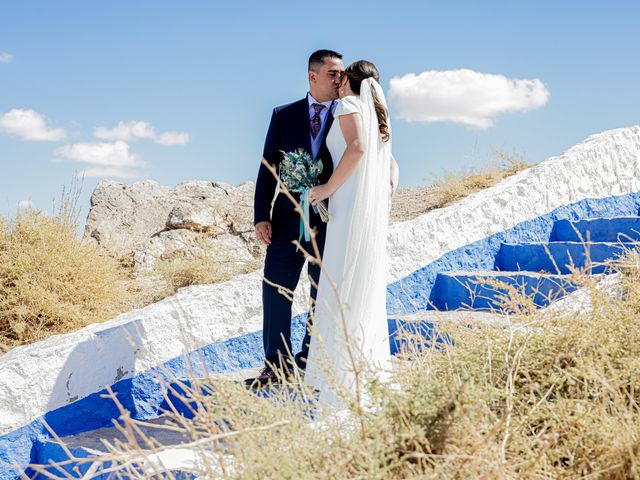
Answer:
(302, 124)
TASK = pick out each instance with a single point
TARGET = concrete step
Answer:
(557, 257)
(405, 328)
(433, 317)
(175, 393)
(617, 229)
(486, 291)
(182, 462)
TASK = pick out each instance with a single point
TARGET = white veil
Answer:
(364, 281)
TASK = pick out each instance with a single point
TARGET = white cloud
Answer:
(25, 204)
(29, 125)
(104, 159)
(133, 130)
(173, 138)
(5, 57)
(126, 131)
(463, 96)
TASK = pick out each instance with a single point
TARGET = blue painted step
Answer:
(89, 445)
(617, 229)
(556, 257)
(470, 290)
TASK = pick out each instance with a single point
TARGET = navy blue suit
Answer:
(289, 130)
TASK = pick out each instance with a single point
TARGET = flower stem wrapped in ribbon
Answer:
(299, 173)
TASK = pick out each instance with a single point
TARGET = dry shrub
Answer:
(412, 202)
(454, 186)
(52, 282)
(208, 263)
(186, 270)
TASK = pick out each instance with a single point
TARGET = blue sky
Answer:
(209, 73)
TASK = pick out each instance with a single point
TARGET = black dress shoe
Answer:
(267, 376)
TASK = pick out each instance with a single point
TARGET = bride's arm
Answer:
(352, 132)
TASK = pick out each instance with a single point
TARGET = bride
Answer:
(350, 330)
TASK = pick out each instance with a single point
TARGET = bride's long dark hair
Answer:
(356, 73)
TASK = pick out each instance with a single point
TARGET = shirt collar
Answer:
(313, 100)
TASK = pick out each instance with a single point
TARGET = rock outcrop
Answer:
(147, 221)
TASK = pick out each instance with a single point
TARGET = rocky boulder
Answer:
(147, 221)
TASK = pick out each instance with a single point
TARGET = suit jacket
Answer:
(289, 130)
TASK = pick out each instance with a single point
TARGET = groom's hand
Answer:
(263, 232)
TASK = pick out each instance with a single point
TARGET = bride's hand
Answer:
(319, 193)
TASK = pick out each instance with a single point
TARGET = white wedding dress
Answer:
(350, 329)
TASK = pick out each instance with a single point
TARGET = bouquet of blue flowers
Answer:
(299, 173)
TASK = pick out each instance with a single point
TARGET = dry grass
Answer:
(556, 398)
(50, 281)
(412, 202)
(213, 264)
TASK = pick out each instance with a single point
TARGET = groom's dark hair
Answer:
(316, 59)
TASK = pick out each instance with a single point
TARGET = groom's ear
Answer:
(312, 76)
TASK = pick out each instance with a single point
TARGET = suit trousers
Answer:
(282, 267)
